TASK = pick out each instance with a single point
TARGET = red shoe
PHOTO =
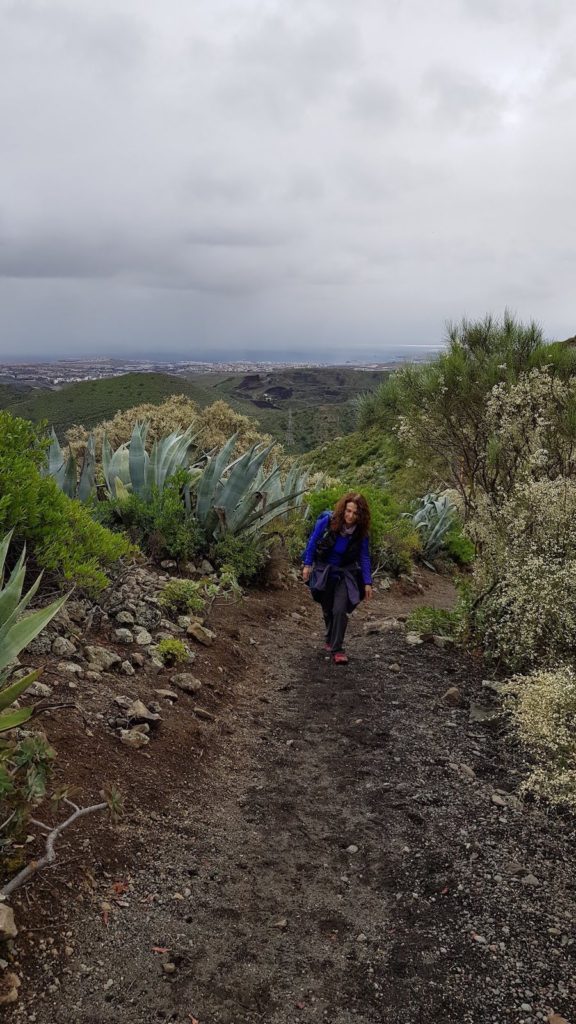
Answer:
(340, 658)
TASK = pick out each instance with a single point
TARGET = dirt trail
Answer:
(342, 861)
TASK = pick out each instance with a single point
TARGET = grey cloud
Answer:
(462, 98)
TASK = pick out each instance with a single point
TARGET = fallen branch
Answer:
(50, 855)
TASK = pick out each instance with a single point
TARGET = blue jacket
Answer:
(335, 556)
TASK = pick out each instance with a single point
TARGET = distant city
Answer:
(55, 374)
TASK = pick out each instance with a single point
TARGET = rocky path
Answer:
(355, 854)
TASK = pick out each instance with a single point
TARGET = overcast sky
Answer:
(334, 177)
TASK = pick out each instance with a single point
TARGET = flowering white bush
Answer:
(543, 707)
(524, 582)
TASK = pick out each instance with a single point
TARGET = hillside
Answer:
(320, 400)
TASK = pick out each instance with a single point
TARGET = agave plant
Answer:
(433, 519)
(242, 496)
(130, 469)
(65, 471)
(16, 632)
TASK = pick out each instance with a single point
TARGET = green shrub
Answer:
(60, 533)
(458, 546)
(161, 527)
(172, 651)
(245, 555)
(434, 620)
(182, 596)
(394, 543)
(543, 707)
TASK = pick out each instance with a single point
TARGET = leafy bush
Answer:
(60, 533)
(245, 555)
(394, 543)
(458, 546)
(434, 620)
(172, 651)
(543, 707)
(182, 596)
(524, 579)
(161, 527)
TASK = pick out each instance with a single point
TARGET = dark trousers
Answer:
(334, 601)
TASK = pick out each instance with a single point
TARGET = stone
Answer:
(493, 686)
(207, 716)
(388, 625)
(9, 985)
(186, 681)
(498, 800)
(38, 689)
(530, 880)
(414, 639)
(70, 668)
(352, 849)
(168, 563)
(443, 642)
(125, 618)
(169, 968)
(206, 567)
(63, 648)
(123, 636)
(487, 716)
(137, 659)
(123, 702)
(183, 621)
(101, 658)
(138, 712)
(143, 638)
(8, 929)
(94, 677)
(134, 738)
(453, 697)
(40, 645)
(147, 616)
(201, 633)
(127, 668)
(167, 694)
(394, 667)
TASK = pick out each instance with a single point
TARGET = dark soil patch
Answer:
(326, 850)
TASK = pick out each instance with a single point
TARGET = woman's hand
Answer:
(368, 592)
(306, 571)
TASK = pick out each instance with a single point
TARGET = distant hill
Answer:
(319, 402)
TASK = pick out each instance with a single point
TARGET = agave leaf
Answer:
(24, 631)
(275, 507)
(106, 460)
(10, 595)
(20, 607)
(70, 478)
(55, 455)
(87, 483)
(208, 484)
(137, 462)
(4, 545)
(237, 517)
(11, 693)
(12, 719)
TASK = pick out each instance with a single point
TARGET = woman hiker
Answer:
(337, 567)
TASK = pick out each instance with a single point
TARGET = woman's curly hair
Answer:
(363, 520)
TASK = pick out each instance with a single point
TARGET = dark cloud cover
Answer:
(319, 177)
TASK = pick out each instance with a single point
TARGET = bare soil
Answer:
(327, 848)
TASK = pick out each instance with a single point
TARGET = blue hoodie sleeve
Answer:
(365, 566)
(310, 552)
